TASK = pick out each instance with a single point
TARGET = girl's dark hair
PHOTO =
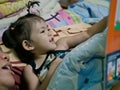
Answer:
(17, 32)
(31, 4)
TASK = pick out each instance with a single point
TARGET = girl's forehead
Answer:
(39, 24)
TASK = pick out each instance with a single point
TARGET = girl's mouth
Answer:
(51, 40)
(8, 67)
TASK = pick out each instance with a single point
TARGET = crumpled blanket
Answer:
(81, 69)
(7, 7)
(3, 1)
(91, 11)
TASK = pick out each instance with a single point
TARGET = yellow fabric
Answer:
(8, 8)
(2, 1)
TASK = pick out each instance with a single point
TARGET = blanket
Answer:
(53, 14)
(91, 11)
(3, 1)
(8, 7)
(81, 69)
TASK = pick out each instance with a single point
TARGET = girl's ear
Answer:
(27, 45)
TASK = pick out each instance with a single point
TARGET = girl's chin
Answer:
(10, 83)
(54, 47)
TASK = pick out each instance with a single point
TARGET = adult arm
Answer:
(72, 41)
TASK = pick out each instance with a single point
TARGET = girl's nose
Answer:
(50, 33)
(4, 56)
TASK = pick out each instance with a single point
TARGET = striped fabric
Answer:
(8, 8)
(3, 1)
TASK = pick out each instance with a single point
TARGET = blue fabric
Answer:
(89, 12)
(89, 76)
(81, 69)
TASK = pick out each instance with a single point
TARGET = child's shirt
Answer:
(42, 71)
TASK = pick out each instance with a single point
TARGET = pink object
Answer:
(66, 16)
(60, 18)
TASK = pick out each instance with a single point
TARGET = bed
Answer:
(66, 22)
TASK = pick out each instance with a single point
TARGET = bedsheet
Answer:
(81, 69)
(53, 14)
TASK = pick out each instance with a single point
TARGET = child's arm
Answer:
(72, 41)
(31, 79)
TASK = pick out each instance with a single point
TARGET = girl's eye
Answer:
(42, 31)
(48, 29)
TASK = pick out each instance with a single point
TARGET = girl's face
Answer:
(42, 38)
(6, 75)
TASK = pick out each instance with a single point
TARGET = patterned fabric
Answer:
(8, 8)
(2, 1)
(60, 18)
(76, 18)
(43, 69)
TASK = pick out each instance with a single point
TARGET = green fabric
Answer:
(74, 16)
